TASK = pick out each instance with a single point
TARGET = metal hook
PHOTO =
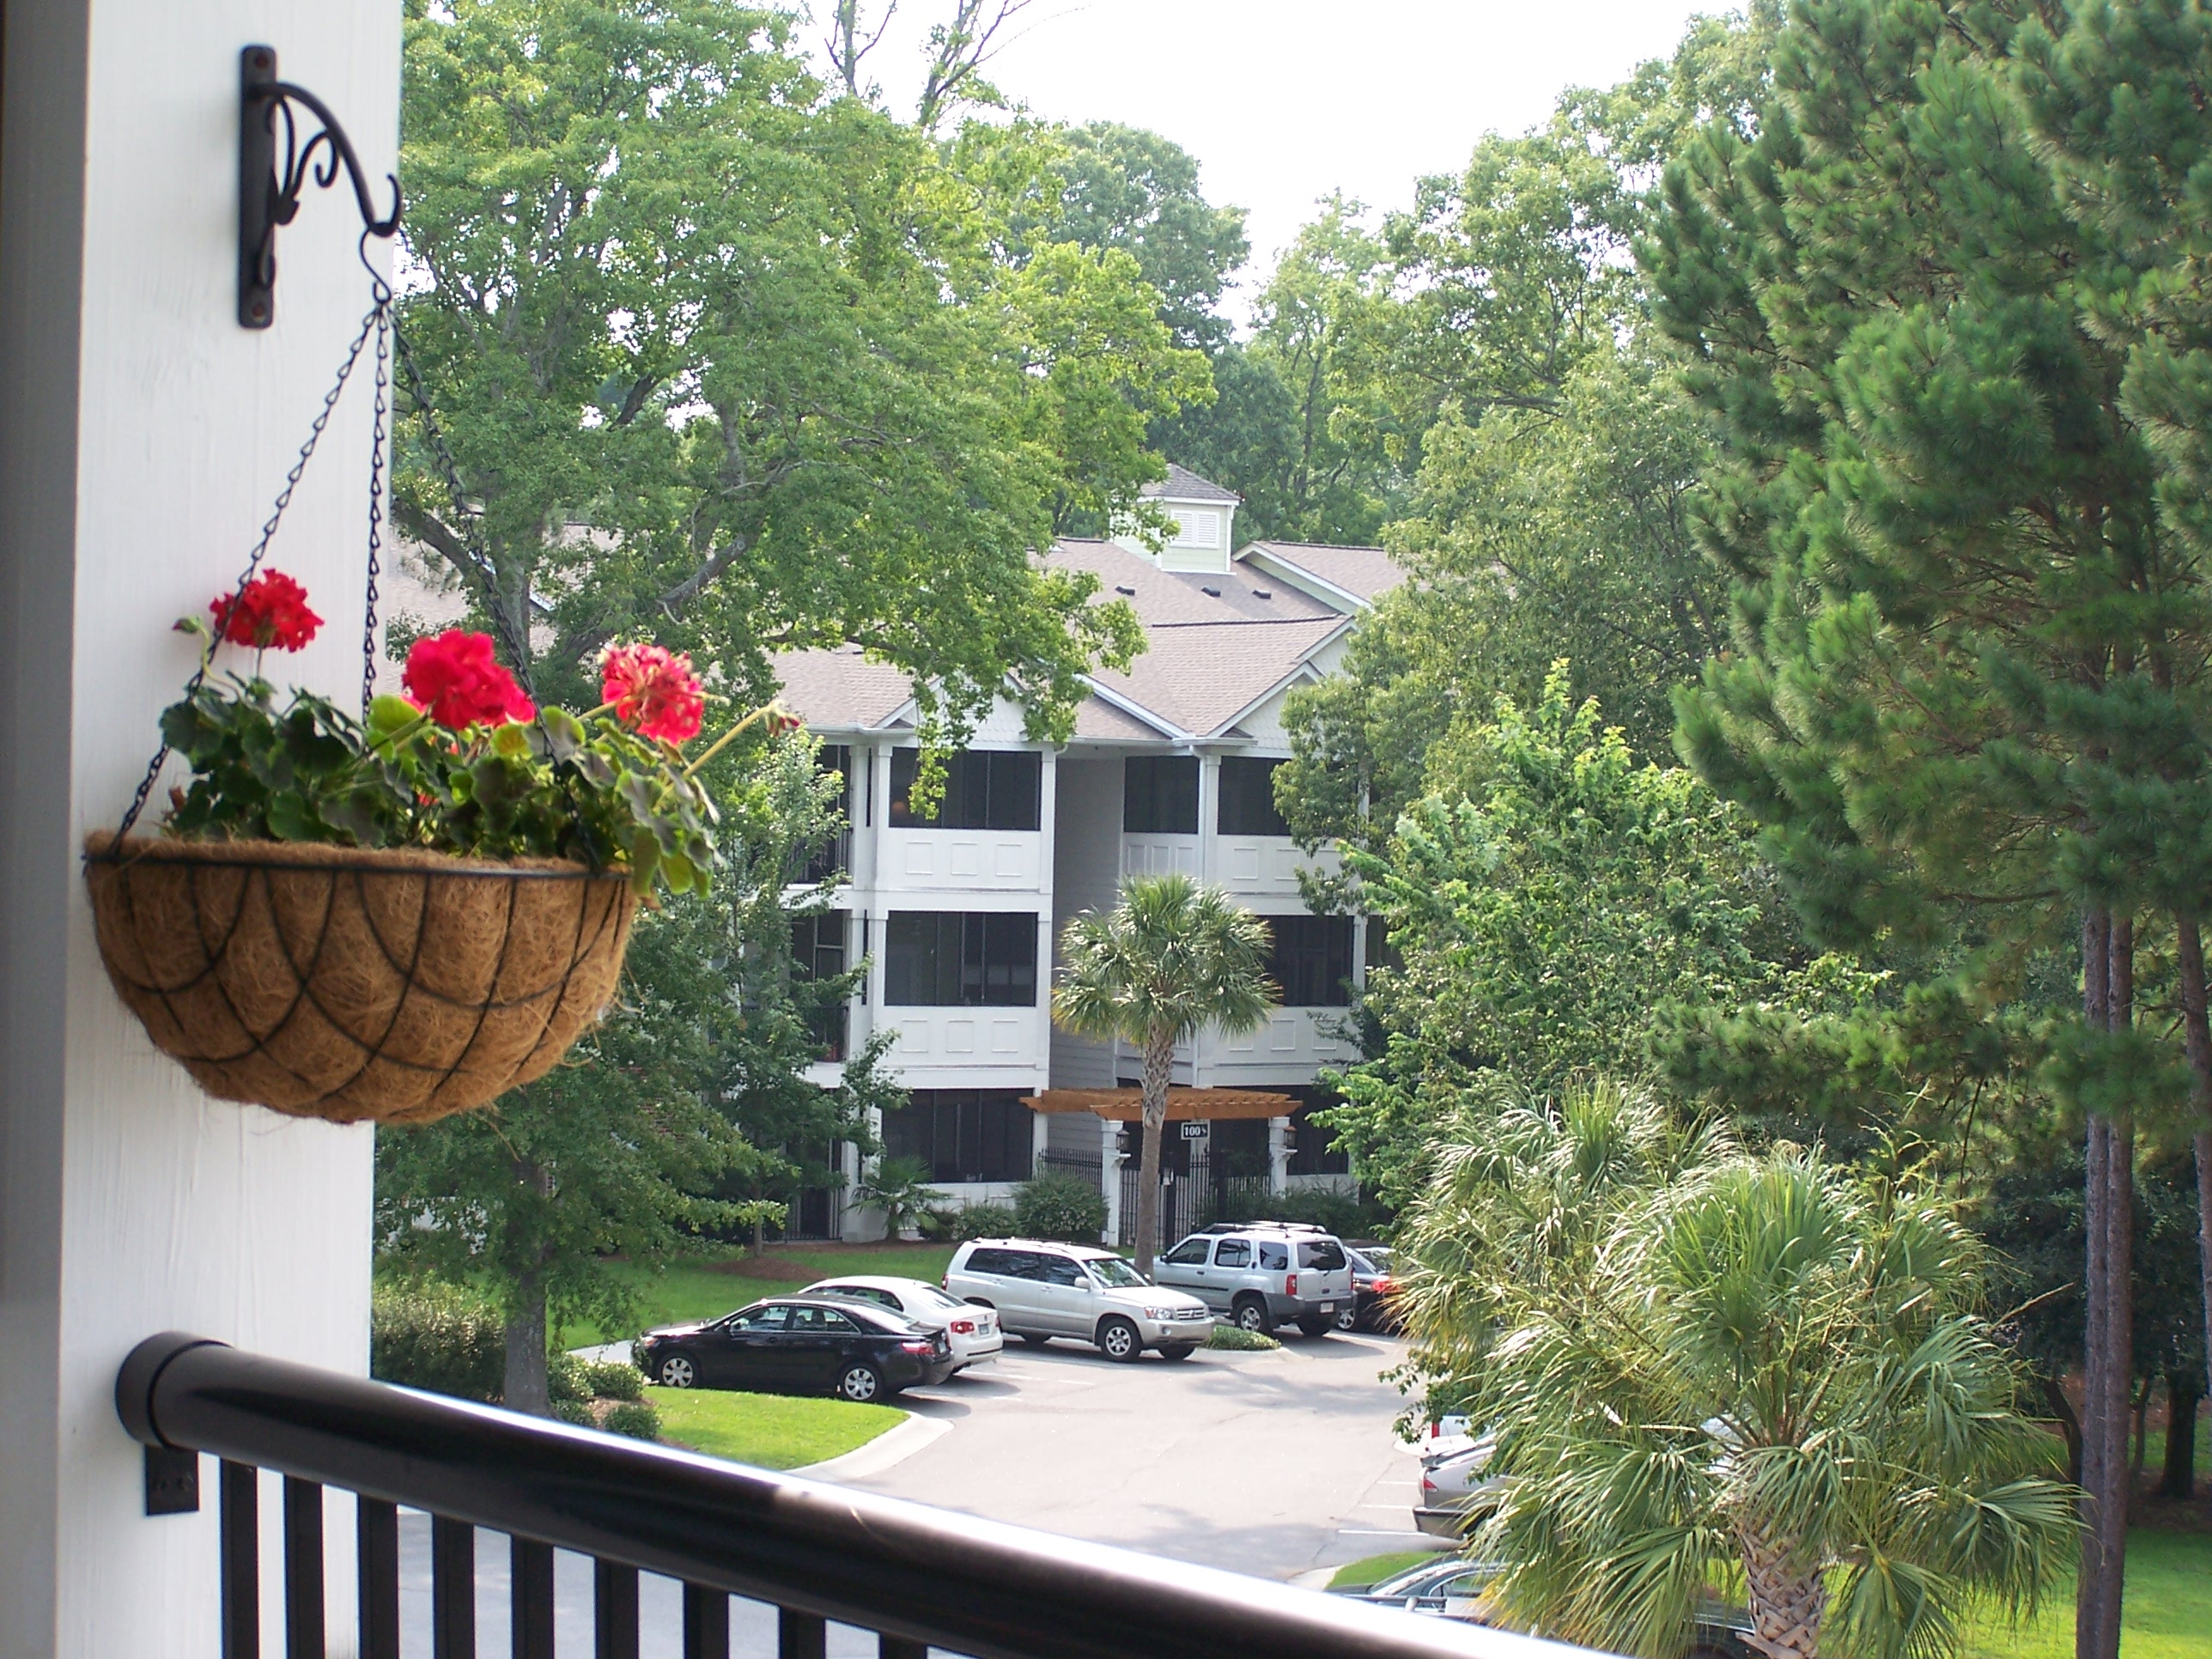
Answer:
(268, 194)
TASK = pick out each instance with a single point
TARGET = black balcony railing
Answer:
(918, 1577)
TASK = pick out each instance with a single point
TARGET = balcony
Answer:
(733, 1538)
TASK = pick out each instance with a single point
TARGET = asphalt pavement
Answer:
(1277, 1464)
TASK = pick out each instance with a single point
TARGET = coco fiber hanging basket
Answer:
(333, 982)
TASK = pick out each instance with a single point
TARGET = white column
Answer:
(1278, 1154)
(1110, 1177)
(145, 434)
(1040, 1139)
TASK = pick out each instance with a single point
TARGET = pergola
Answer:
(1126, 1105)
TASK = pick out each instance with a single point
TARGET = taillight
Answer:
(1289, 1283)
(923, 1348)
(1428, 1485)
(963, 1327)
(1384, 1286)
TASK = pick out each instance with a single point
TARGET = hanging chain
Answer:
(464, 516)
(369, 652)
(379, 313)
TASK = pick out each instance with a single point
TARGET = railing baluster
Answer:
(800, 1635)
(705, 1622)
(530, 1577)
(453, 1588)
(898, 1647)
(376, 1556)
(614, 1610)
(303, 1570)
(241, 1561)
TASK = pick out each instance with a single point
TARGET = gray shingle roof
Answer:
(1165, 597)
(841, 690)
(1201, 676)
(1182, 484)
(1365, 573)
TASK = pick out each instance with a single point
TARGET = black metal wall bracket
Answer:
(268, 193)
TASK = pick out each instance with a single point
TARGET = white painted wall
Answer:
(142, 436)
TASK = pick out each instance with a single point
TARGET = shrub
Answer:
(1060, 1206)
(1235, 1340)
(979, 1221)
(443, 1338)
(614, 1379)
(634, 1418)
(564, 1378)
(578, 1411)
(1341, 1213)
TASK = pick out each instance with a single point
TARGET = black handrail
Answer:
(906, 1570)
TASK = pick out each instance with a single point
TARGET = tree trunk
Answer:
(525, 1390)
(1159, 1067)
(2054, 1392)
(2183, 1390)
(2107, 995)
(1788, 1598)
(2197, 1034)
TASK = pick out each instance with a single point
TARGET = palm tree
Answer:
(1766, 1370)
(1170, 959)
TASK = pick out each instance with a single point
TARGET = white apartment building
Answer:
(1170, 768)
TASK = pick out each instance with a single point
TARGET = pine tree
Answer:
(1952, 581)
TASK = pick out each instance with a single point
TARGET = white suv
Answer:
(1043, 1290)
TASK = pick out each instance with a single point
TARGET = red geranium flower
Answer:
(653, 691)
(271, 611)
(455, 680)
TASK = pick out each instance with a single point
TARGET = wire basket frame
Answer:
(345, 984)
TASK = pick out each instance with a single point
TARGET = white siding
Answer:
(147, 434)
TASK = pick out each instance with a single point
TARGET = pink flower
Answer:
(455, 680)
(653, 691)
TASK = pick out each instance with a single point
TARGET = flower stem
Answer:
(723, 742)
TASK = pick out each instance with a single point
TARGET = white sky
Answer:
(1284, 101)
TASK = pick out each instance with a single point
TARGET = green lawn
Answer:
(706, 1286)
(768, 1431)
(2168, 1614)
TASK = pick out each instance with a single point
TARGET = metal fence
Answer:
(922, 1577)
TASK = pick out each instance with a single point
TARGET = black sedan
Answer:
(1369, 1309)
(799, 1345)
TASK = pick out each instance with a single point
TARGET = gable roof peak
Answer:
(1182, 484)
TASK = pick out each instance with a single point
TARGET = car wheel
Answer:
(1118, 1339)
(1178, 1351)
(1318, 1324)
(678, 1371)
(1347, 1319)
(1251, 1314)
(859, 1383)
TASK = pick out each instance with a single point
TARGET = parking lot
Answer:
(1276, 1463)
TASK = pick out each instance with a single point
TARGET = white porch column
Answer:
(1278, 1154)
(1110, 1177)
(1040, 1139)
(142, 434)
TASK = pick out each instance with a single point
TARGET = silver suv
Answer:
(1043, 1290)
(1263, 1274)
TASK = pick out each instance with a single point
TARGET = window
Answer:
(751, 1322)
(1059, 1270)
(1233, 1253)
(1196, 527)
(984, 789)
(1160, 795)
(1325, 1254)
(866, 1293)
(999, 1264)
(1313, 1150)
(960, 959)
(1191, 1253)
(1381, 952)
(834, 856)
(817, 952)
(963, 1134)
(1312, 960)
(1274, 1258)
(821, 1321)
(1248, 798)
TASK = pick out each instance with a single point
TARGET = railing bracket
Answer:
(173, 1480)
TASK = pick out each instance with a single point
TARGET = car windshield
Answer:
(930, 1297)
(1378, 1259)
(1116, 1274)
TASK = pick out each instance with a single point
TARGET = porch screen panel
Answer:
(1160, 795)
